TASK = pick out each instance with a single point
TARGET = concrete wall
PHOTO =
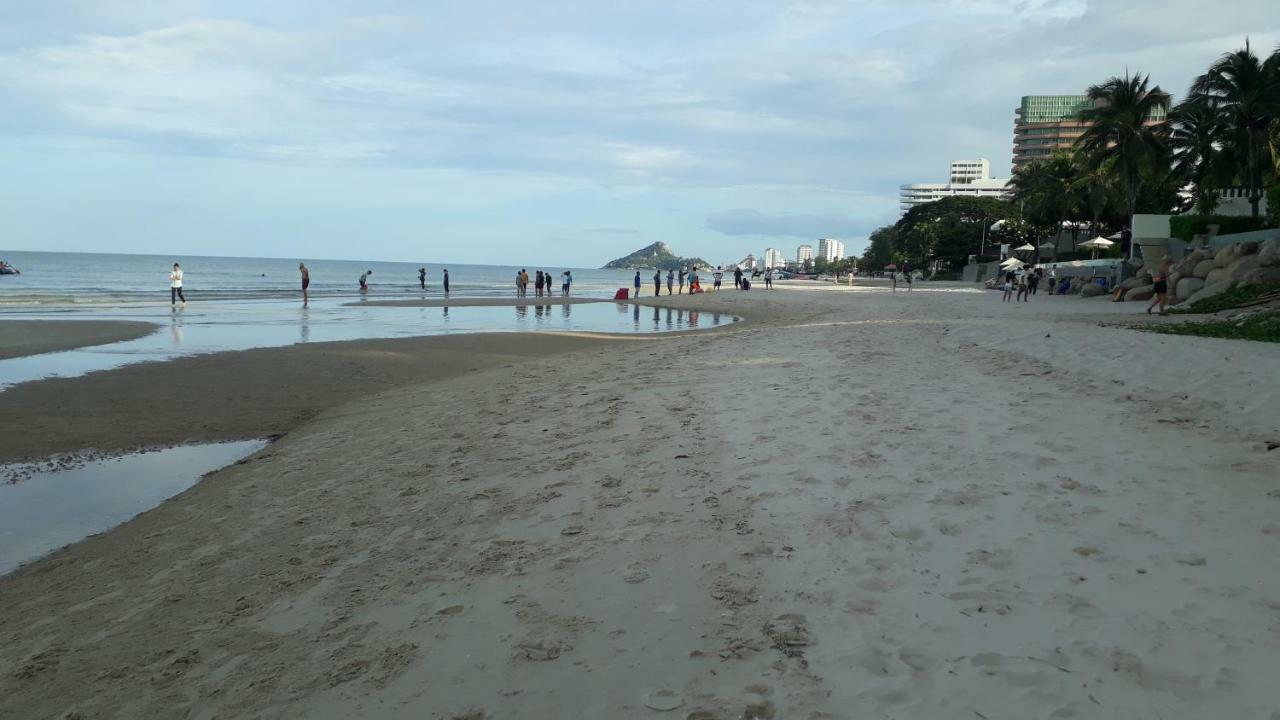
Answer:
(1258, 235)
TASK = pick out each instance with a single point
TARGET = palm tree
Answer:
(1125, 133)
(1096, 194)
(1196, 136)
(1043, 189)
(1245, 92)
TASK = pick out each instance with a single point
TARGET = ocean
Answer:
(51, 278)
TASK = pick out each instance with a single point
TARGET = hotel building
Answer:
(967, 178)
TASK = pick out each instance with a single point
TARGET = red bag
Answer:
(622, 294)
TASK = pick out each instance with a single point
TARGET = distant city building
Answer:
(748, 263)
(1045, 124)
(774, 259)
(804, 252)
(967, 178)
(829, 249)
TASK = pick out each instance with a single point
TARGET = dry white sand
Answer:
(863, 505)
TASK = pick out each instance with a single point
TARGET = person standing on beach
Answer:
(657, 283)
(446, 281)
(681, 278)
(671, 280)
(546, 278)
(1023, 291)
(175, 286)
(364, 281)
(768, 279)
(737, 278)
(422, 277)
(1008, 286)
(717, 276)
(537, 284)
(306, 282)
(1161, 288)
(636, 282)
(568, 281)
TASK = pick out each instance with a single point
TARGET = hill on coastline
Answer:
(658, 255)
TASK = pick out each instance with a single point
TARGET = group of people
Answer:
(7, 269)
(542, 283)
(676, 281)
(1027, 282)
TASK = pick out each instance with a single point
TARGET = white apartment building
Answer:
(829, 249)
(967, 178)
(804, 252)
(774, 258)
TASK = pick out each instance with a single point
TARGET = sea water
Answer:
(217, 326)
(101, 278)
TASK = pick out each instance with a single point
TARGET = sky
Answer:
(557, 132)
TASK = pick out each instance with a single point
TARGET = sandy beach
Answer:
(19, 338)
(857, 504)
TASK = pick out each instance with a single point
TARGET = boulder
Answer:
(1226, 254)
(1173, 279)
(1209, 291)
(1269, 253)
(1248, 247)
(1134, 282)
(1262, 276)
(1188, 286)
(1092, 290)
(1202, 268)
(1141, 293)
(1216, 276)
(1241, 267)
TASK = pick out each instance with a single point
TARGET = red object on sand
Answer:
(622, 294)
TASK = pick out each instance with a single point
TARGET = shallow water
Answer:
(220, 326)
(51, 509)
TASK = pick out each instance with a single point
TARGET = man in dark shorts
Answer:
(422, 278)
(306, 281)
(657, 283)
(737, 277)
(446, 281)
(717, 275)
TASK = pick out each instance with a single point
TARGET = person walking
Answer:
(657, 283)
(306, 282)
(1053, 279)
(637, 283)
(566, 284)
(422, 278)
(1161, 288)
(364, 281)
(717, 276)
(1009, 277)
(446, 281)
(175, 286)
(893, 280)
(680, 277)
(671, 280)
(1023, 290)
(768, 279)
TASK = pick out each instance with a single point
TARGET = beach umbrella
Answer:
(1012, 262)
(1098, 243)
(1025, 248)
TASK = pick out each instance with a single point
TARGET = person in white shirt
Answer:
(175, 286)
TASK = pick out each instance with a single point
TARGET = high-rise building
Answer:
(1045, 124)
(829, 249)
(967, 178)
(804, 252)
(774, 259)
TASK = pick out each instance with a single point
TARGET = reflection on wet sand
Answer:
(522, 312)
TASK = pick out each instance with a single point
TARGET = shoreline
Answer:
(23, 338)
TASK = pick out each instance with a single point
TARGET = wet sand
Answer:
(19, 338)
(921, 504)
(481, 302)
(240, 395)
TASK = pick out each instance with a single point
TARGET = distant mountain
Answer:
(658, 255)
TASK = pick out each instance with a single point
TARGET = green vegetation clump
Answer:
(1262, 327)
(1186, 227)
(1233, 298)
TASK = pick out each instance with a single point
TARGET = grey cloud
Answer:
(744, 221)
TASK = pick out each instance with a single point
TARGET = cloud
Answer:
(753, 222)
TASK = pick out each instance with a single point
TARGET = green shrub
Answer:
(1263, 327)
(1234, 297)
(1186, 227)
(1273, 205)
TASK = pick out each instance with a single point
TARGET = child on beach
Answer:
(1008, 286)
(671, 276)
(681, 278)
(364, 281)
